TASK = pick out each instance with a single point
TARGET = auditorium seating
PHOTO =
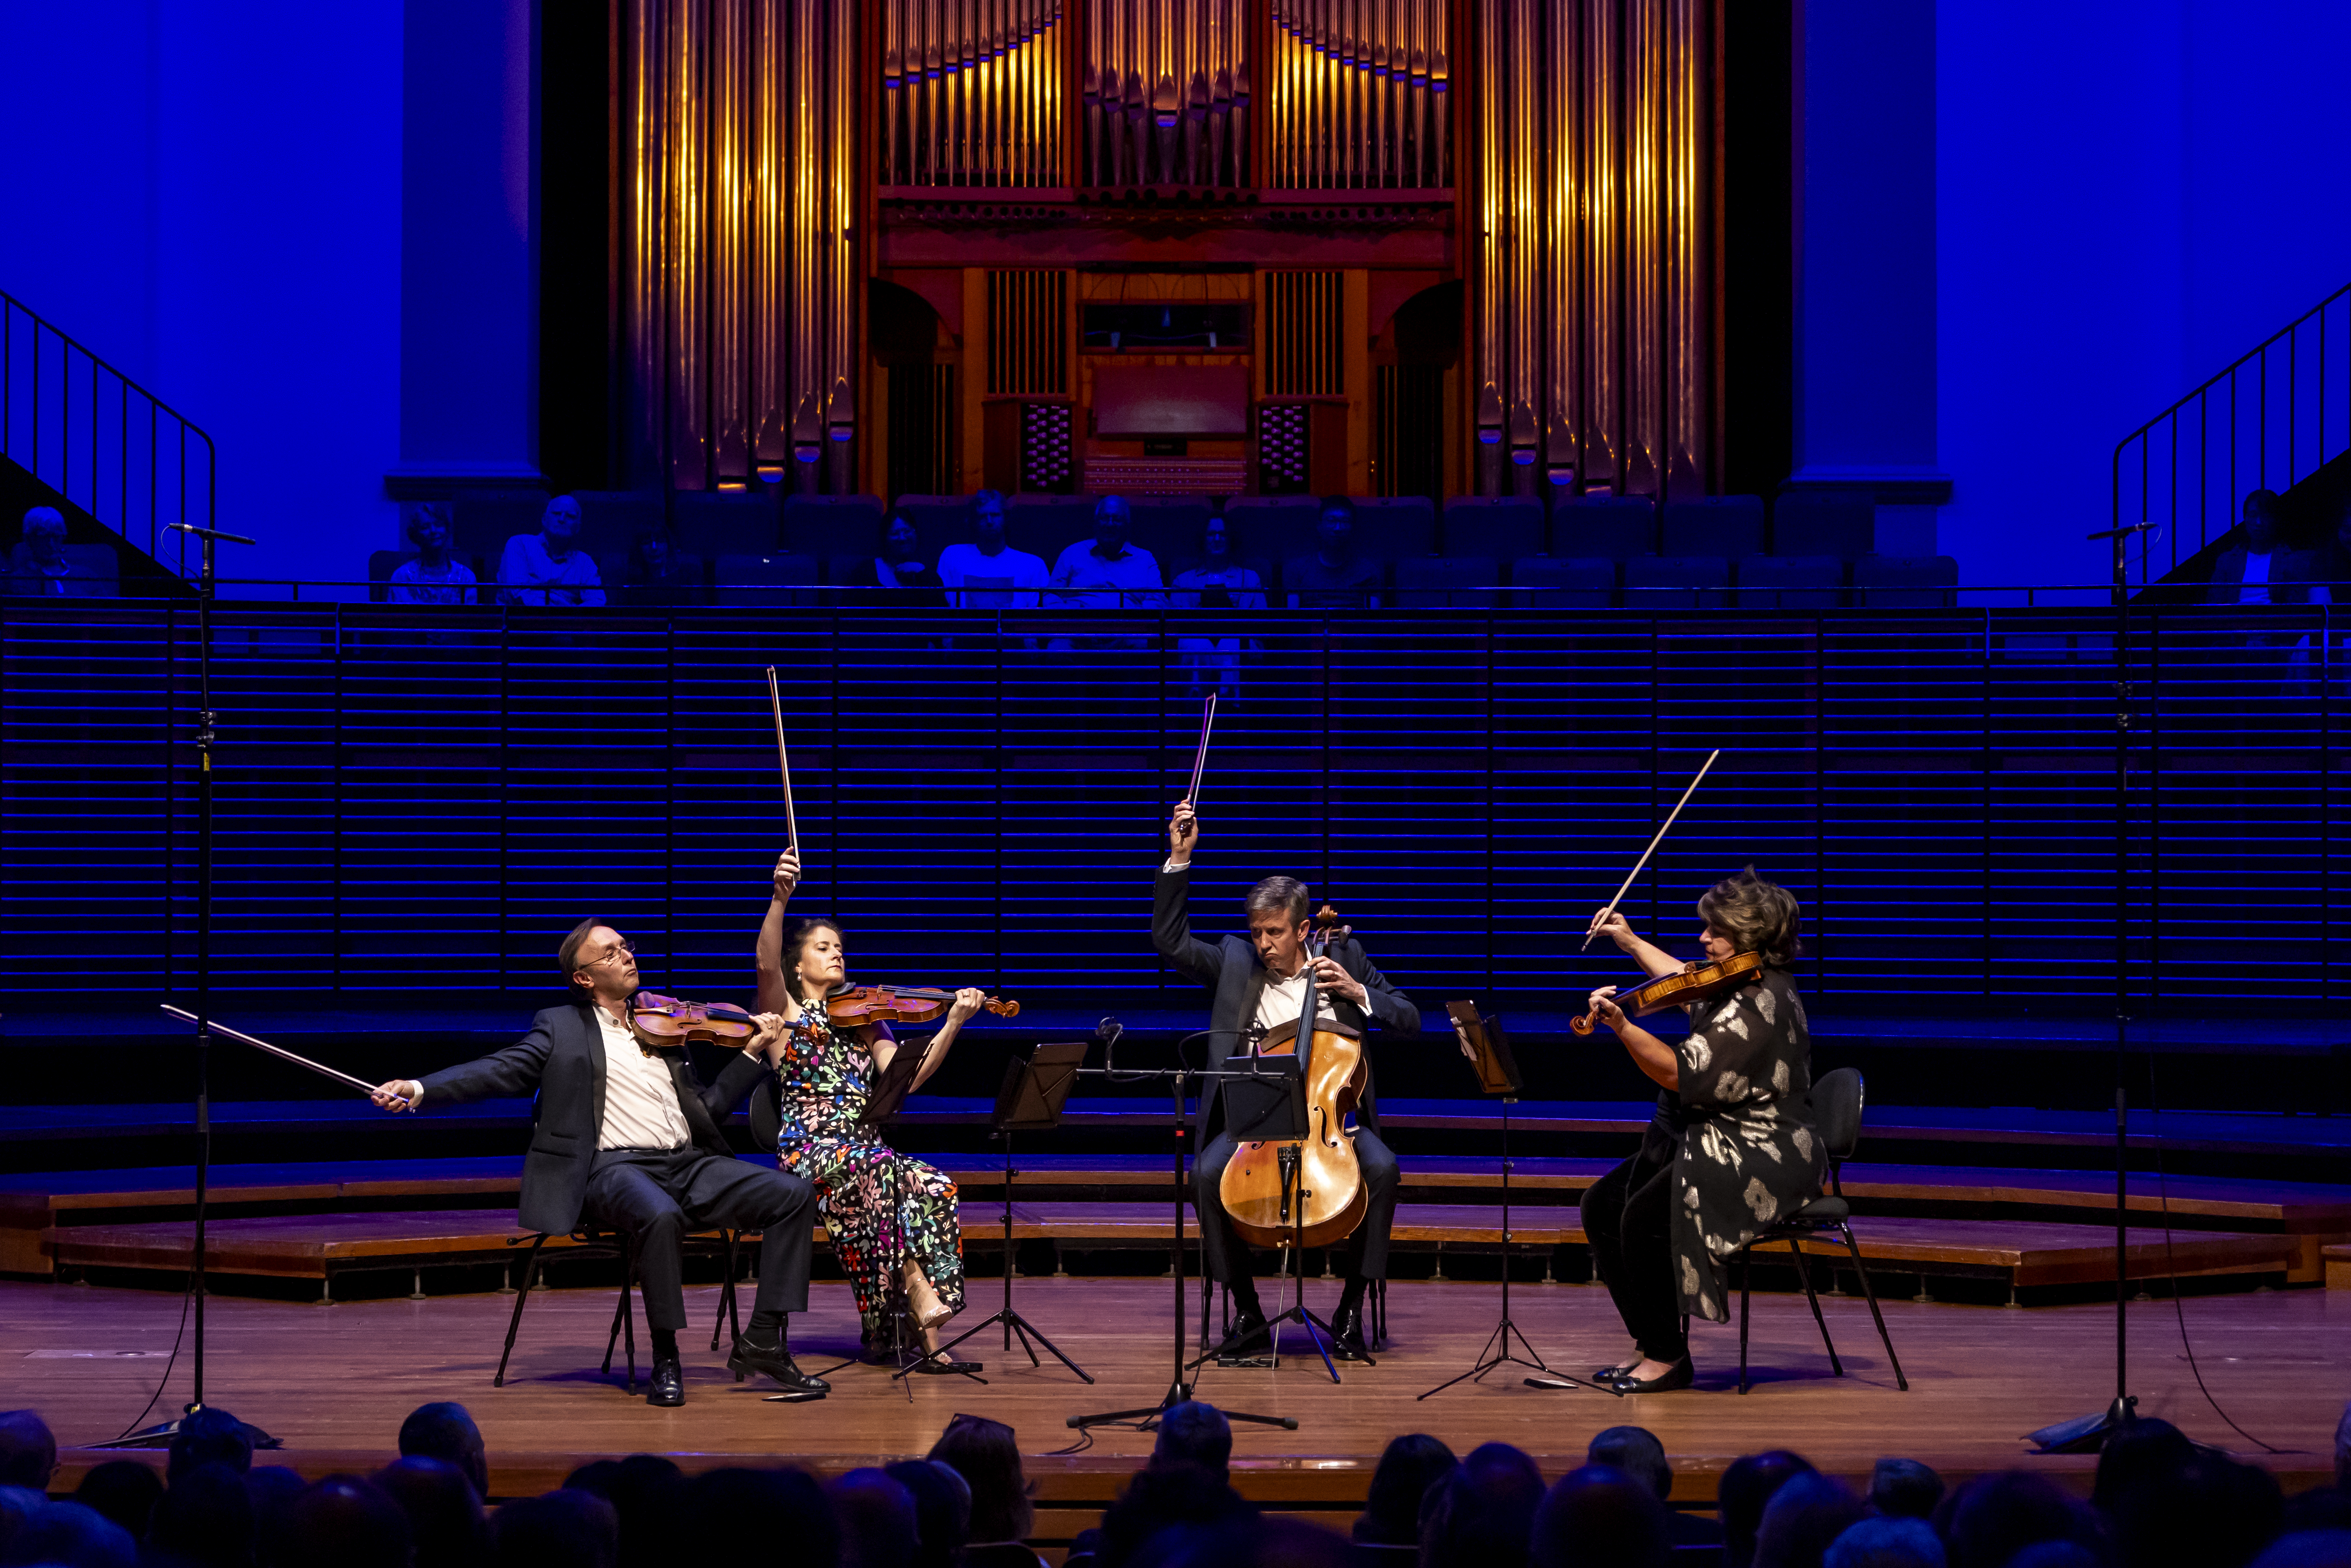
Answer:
(1498, 528)
(1727, 525)
(732, 522)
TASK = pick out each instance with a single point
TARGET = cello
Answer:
(1309, 1192)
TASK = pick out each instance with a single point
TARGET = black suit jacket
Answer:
(561, 1060)
(2289, 579)
(1236, 978)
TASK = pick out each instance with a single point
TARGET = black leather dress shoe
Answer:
(667, 1386)
(1250, 1339)
(1681, 1375)
(775, 1362)
(1347, 1342)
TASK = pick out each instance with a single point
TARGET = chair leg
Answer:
(514, 1324)
(725, 1292)
(1869, 1294)
(734, 1296)
(1743, 1270)
(1805, 1274)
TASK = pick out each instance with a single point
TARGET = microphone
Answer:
(1109, 1031)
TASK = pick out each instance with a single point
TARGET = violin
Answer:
(852, 1006)
(1309, 1192)
(660, 1022)
(1695, 982)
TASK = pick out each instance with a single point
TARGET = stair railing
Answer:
(2267, 422)
(101, 441)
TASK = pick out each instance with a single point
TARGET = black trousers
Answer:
(1228, 1258)
(1628, 1219)
(656, 1195)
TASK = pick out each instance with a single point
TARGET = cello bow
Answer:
(783, 761)
(1654, 843)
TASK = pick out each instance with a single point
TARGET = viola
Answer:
(1309, 1192)
(852, 1006)
(1694, 982)
(660, 1022)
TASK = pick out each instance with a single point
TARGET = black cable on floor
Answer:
(186, 1296)
(2179, 1310)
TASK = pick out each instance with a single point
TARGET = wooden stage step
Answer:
(320, 1246)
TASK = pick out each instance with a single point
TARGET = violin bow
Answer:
(1660, 839)
(1200, 757)
(216, 1027)
(783, 762)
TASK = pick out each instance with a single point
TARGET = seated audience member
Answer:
(445, 1430)
(274, 1489)
(2308, 1548)
(2057, 1555)
(433, 576)
(986, 1454)
(124, 1491)
(2146, 1449)
(1336, 576)
(1480, 1516)
(2330, 566)
(344, 1521)
(28, 1453)
(548, 567)
(739, 1516)
(1803, 1519)
(1221, 581)
(1160, 1498)
(1194, 1433)
(63, 1535)
(205, 1521)
(1106, 572)
(659, 572)
(942, 1509)
(211, 1435)
(899, 564)
(990, 574)
(1992, 1518)
(1886, 1541)
(562, 1529)
(647, 1492)
(2260, 569)
(1742, 1495)
(41, 565)
(1905, 1488)
(1599, 1517)
(444, 1513)
(2211, 1511)
(877, 1519)
(1636, 1451)
(1408, 1466)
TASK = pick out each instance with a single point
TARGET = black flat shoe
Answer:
(1681, 1375)
(667, 1385)
(1611, 1373)
(1347, 1336)
(775, 1361)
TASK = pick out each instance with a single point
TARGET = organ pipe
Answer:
(1166, 94)
(971, 92)
(1355, 95)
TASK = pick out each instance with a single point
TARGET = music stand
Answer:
(1265, 1101)
(1030, 1101)
(1498, 1075)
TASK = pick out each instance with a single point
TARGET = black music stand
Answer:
(1498, 1075)
(1030, 1101)
(1265, 1101)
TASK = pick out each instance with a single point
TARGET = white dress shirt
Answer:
(1278, 1003)
(640, 1108)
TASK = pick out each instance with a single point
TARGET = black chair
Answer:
(590, 1242)
(1714, 525)
(1837, 1111)
(1550, 582)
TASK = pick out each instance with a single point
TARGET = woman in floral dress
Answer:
(888, 1214)
(1732, 1146)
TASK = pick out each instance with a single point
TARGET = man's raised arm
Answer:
(1171, 919)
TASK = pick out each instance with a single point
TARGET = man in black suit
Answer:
(629, 1136)
(1258, 985)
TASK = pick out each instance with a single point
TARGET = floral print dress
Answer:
(880, 1207)
(1750, 1153)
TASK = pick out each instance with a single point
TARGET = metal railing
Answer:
(100, 440)
(2267, 422)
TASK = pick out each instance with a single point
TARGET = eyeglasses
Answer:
(618, 950)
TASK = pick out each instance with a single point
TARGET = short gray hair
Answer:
(1757, 916)
(1284, 893)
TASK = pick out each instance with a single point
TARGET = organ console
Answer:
(1445, 245)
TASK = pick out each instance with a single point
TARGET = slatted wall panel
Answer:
(415, 801)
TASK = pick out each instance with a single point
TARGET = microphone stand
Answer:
(2088, 1434)
(1178, 1391)
(207, 578)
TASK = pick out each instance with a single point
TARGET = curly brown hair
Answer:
(1757, 916)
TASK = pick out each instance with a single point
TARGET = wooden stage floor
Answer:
(334, 1382)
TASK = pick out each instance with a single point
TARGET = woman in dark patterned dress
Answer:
(1732, 1146)
(812, 1104)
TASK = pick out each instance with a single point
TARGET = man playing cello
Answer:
(1257, 985)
